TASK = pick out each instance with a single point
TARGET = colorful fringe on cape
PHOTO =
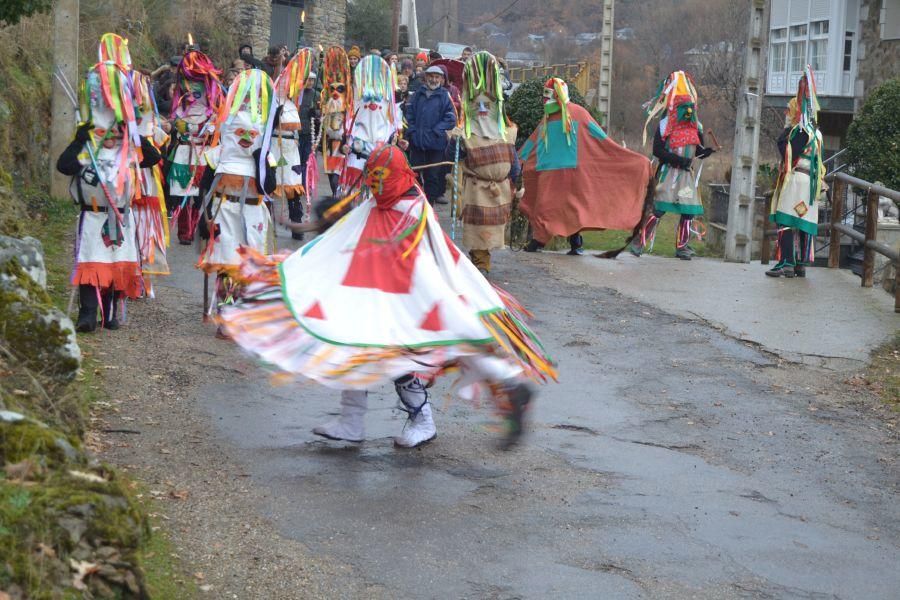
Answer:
(265, 325)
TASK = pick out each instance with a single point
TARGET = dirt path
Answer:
(671, 461)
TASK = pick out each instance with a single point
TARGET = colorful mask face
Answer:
(375, 178)
(553, 89)
(686, 112)
(487, 117)
(239, 139)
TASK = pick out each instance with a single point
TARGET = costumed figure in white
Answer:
(105, 161)
(240, 175)
(376, 119)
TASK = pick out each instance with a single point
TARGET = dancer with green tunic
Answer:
(795, 207)
(678, 140)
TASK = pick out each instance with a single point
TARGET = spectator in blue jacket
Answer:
(430, 116)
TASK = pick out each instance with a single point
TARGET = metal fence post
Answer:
(868, 272)
(838, 193)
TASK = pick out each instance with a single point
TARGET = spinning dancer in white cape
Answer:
(383, 294)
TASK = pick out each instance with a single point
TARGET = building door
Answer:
(285, 23)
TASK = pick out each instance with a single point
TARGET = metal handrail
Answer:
(834, 156)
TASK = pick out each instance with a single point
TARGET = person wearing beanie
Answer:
(353, 55)
(421, 62)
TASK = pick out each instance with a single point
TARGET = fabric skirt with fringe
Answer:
(152, 225)
(105, 265)
(381, 294)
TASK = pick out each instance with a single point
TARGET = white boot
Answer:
(419, 428)
(349, 426)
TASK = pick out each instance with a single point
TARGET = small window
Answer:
(798, 31)
(848, 51)
(818, 54)
(778, 52)
(818, 28)
(779, 34)
(798, 56)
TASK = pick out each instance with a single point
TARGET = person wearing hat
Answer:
(417, 74)
(421, 62)
(353, 55)
(430, 116)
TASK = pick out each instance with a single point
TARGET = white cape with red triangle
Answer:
(379, 295)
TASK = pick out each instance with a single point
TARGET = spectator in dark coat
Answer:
(430, 116)
(245, 53)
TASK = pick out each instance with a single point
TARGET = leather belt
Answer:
(248, 201)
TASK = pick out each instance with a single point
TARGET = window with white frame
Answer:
(797, 55)
(848, 51)
(778, 50)
(818, 45)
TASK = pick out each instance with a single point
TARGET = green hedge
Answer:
(873, 140)
(526, 107)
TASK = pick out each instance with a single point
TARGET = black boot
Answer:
(533, 246)
(513, 404)
(110, 308)
(87, 309)
(333, 179)
(576, 242)
(295, 214)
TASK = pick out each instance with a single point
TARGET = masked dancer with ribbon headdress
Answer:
(148, 204)
(241, 174)
(198, 97)
(575, 177)
(427, 308)
(677, 142)
(490, 166)
(290, 162)
(375, 119)
(801, 182)
(334, 105)
(105, 161)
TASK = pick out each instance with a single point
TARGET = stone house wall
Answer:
(878, 59)
(326, 22)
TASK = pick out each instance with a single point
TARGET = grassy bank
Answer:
(883, 375)
(70, 526)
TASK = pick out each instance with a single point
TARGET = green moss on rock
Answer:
(32, 328)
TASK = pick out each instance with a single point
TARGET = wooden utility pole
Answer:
(62, 113)
(745, 157)
(604, 88)
(395, 24)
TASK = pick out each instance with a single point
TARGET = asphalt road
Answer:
(671, 461)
